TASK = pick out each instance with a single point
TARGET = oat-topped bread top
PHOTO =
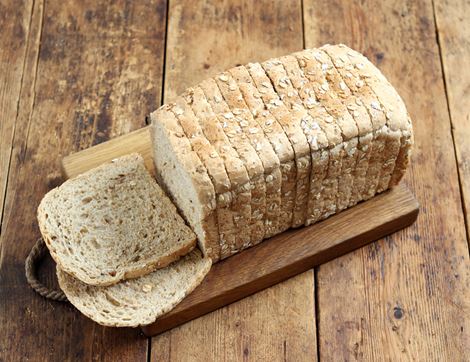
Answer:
(112, 223)
(138, 301)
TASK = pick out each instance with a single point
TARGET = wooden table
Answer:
(73, 75)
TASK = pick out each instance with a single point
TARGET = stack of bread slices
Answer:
(245, 155)
(124, 255)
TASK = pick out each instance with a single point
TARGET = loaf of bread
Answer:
(287, 142)
(112, 223)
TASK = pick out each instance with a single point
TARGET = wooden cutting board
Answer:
(275, 259)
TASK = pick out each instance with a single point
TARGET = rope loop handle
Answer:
(37, 253)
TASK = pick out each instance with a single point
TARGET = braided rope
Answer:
(36, 254)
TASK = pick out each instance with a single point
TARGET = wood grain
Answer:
(291, 253)
(454, 40)
(204, 38)
(93, 71)
(405, 297)
(15, 22)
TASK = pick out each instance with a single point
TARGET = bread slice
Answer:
(365, 99)
(343, 97)
(336, 189)
(141, 301)
(384, 142)
(239, 127)
(185, 178)
(277, 126)
(112, 223)
(240, 194)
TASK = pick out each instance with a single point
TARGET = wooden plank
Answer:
(291, 253)
(203, 38)
(93, 71)
(405, 297)
(137, 141)
(15, 19)
(454, 34)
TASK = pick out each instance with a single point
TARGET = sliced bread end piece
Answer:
(112, 223)
(141, 301)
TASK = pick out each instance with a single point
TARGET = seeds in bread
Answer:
(240, 195)
(186, 179)
(98, 229)
(140, 301)
(261, 141)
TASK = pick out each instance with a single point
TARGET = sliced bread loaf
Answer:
(139, 301)
(112, 223)
(333, 121)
